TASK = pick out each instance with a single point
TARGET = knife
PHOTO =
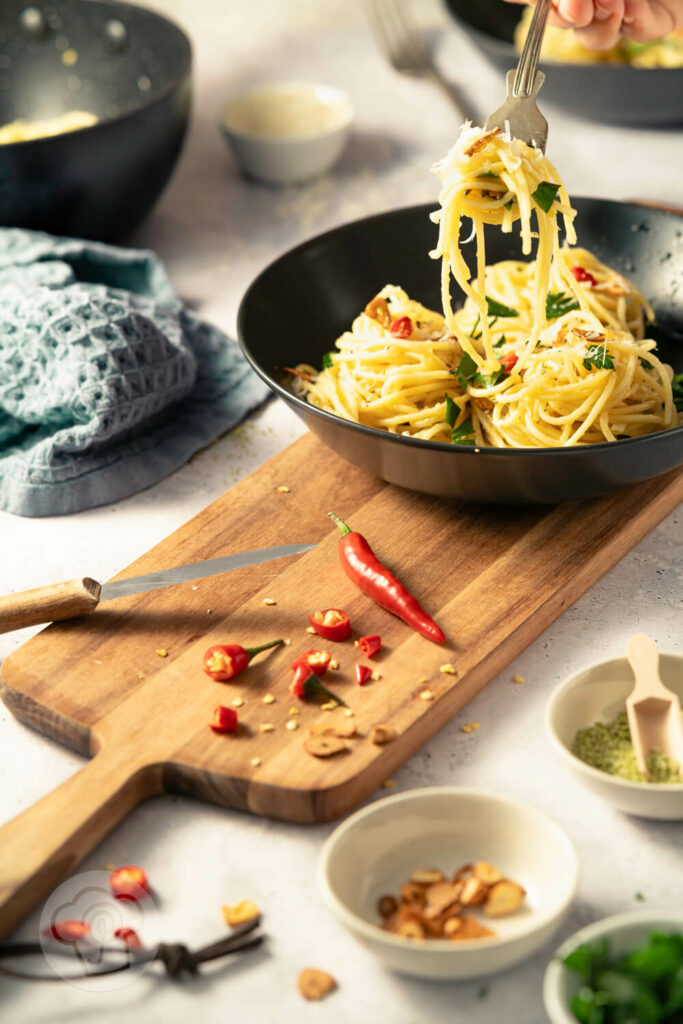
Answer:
(79, 597)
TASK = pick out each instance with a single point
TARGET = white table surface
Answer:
(215, 231)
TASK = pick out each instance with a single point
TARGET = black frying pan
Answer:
(611, 93)
(297, 307)
(132, 70)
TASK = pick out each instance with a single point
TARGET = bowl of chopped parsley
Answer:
(624, 969)
(586, 722)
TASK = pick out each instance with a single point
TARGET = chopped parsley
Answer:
(465, 371)
(559, 303)
(327, 361)
(489, 380)
(598, 357)
(497, 309)
(501, 341)
(463, 433)
(510, 204)
(474, 336)
(646, 364)
(544, 195)
(677, 388)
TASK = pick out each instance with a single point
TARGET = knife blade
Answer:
(79, 597)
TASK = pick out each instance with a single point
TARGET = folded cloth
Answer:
(107, 383)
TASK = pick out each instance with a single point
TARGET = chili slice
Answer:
(314, 661)
(370, 645)
(362, 566)
(583, 276)
(402, 328)
(363, 673)
(508, 361)
(331, 624)
(67, 930)
(129, 883)
(225, 661)
(224, 719)
(306, 684)
(129, 937)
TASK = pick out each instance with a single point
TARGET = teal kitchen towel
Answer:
(107, 383)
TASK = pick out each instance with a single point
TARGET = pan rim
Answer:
(418, 442)
(182, 72)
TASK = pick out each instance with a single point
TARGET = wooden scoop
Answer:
(654, 711)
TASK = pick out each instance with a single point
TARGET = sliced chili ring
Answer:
(331, 624)
(370, 645)
(314, 661)
(129, 883)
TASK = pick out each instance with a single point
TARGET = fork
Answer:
(519, 116)
(406, 48)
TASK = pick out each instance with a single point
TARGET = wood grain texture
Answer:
(47, 604)
(493, 578)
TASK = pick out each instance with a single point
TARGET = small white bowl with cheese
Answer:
(285, 133)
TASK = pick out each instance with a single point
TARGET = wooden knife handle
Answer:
(48, 604)
(47, 841)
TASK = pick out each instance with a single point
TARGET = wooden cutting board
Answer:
(494, 578)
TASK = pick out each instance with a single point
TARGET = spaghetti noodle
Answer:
(546, 353)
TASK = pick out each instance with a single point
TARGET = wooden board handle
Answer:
(41, 845)
(48, 604)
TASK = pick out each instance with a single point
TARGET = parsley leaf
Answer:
(510, 204)
(501, 341)
(488, 380)
(451, 411)
(463, 433)
(473, 335)
(648, 365)
(599, 357)
(545, 195)
(465, 371)
(677, 388)
(327, 361)
(498, 309)
(559, 303)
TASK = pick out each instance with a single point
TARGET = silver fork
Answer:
(403, 43)
(519, 115)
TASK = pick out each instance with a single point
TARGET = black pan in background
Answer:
(133, 70)
(298, 306)
(614, 94)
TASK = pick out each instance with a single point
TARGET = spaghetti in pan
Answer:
(546, 353)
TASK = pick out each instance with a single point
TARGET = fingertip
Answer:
(577, 13)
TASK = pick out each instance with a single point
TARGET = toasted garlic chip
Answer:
(504, 898)
(314, 984)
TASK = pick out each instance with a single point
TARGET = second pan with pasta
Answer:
(298, 306)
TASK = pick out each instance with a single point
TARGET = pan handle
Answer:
(48, 604)
(41, 845)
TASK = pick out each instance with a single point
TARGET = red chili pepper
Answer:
(370, 645)
(363, 567)
(306, 684)
(363, 673)
(224, 719)
(402, 328)
(67, 930)
(225, 661)
(331, 624)
(313, 661)
(583, 276)
(508, 361)
(129, 937)
(129, 883)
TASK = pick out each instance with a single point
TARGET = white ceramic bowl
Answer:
(598, 693)
(373, 852)
(287, 132)
(624, 931)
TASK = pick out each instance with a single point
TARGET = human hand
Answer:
(599, 24)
